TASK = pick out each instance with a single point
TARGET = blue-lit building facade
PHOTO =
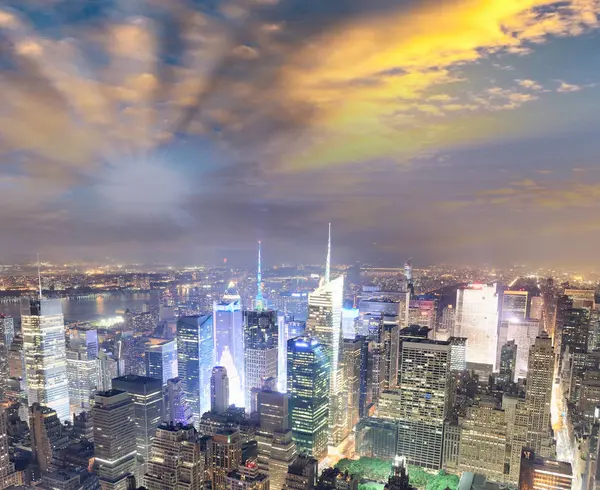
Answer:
(308, 387)
(229, 342)
(195, 359)
(161, 360)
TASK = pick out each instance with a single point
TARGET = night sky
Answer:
(463, 131)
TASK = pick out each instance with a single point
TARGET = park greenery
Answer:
(374, 472)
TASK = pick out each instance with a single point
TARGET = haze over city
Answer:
(185, 131)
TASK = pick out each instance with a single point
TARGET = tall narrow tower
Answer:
(43, 328)
(324, 323)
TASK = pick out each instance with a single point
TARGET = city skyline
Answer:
(468, 133)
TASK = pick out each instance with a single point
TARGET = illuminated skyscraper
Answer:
(308, 387)
(515, 305)
(146, 394)
(7, 333)
(82, 369)
(195, 351)
(538, 396)
(260, 350)
(229, 342)
(176, 462)
(276, 448)
(219, 390)
(161, 359)
(224, 456)
(43, 330)
(324, 323)
(177, 408)
(108, 369)
(424, 391)
(524, 333)
(355, 374)
(114, 439)
(45, 429)
(8, 477)
(483, 442)
(477, 319)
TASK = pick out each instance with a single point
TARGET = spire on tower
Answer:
(328, 262)
(39, 276)
(259, 301)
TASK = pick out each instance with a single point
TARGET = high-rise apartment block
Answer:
(43, 329)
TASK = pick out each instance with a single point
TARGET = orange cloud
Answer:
(411, 54)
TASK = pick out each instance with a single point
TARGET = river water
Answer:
(88, 309)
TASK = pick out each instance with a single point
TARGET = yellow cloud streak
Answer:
(365, 77)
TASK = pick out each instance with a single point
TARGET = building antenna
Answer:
(39, 276)
(328, 262)
(259, 301)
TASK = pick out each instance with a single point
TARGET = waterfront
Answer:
(91, 308)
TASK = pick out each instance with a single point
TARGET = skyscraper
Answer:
(114, 439)
(538, 396)
(46, 429)
(195, 361)
(261, 340)
(276, 449)
(161, 359)
(260, 350)
(424, 391)
(229, 341)
(477, 319)
(308, 386)
(355, 374)
(8, 477)
(324, 323)
(524, 333)
(176, 461)
(219, 390)
(108, 369)
(515, 305)
(224, 456)
(7, 333)
(82, 369)
(43, 330)
(177, 409)
(146, 394)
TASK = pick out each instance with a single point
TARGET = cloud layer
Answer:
(144, 128)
